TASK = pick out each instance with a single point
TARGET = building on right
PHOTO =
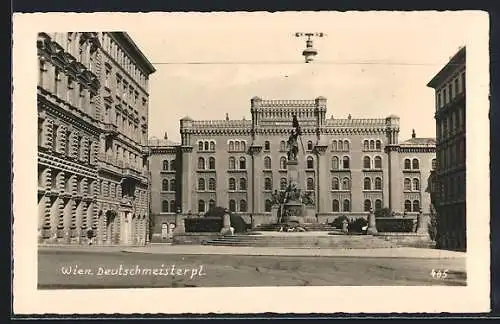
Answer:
(450, 174)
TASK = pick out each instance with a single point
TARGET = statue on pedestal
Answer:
(292, 143)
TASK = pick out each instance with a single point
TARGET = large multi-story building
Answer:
(349, 165)
(92, 138)
(449, 199)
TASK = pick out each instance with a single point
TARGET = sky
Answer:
(369, 64)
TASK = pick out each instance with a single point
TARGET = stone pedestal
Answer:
(372, 225)
(180, 226)
(422, 223)
(226, 224)
(274, 214)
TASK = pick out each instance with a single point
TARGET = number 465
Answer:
(439, 274)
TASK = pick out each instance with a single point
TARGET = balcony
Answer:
(108, 163)
(131, 172)
(110, 129)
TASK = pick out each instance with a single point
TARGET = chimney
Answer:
(227, 116)
(349, 117)
(413, 135)
(165, 136)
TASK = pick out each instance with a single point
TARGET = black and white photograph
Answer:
(345, 152)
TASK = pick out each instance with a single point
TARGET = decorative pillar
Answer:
(255, 177)
(372, 224)
(187, 191)
(422, 223)
(180, 226)
(322, 180)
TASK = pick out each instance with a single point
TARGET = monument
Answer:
(292, 200)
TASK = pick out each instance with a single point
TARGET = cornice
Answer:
(64, 165)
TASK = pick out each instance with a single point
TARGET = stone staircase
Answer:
(293, 240)
(311, 227)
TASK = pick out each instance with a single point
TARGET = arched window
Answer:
(282, 146)
(232, 184)
(283, 163)
(231, 146)
(334, 145)
(211, 163)
(267, 163)
(200, 146)
(346, 184)
(366, 145)
(372, 145)
(268, 205)
(378, 183)
(366, 162)
(165, 165)
(310, 184)
(378, 145)
(211, 204)
(335, 205)
(346, 205)
(345, 162)
(243, 146)
(237, 145)
(283, 184)
(346, 145)
(212, 146)
(201, 163)
(172, 206)
(335, 163)
(206, 146)
(243, 206)
(267, 146)
(378, 162)
(433, 164)
(416, 185)
(407, 184)
(232, 163)
(415, 164)
(212, 184)
(172, 185)
(416, 206)
(164, 206)
(232, 205)
(310, 162)
(243, 184)
(367, 184)
(367, 205)
(243, 163)
(378, 204)
(201, 206)
(335, 184)
(341, 146)
(268, 184)
(172, 165)
(201, 184)
(309, 145)
(407, 206)
(164, 185)
(407, 164)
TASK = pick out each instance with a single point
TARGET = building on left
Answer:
(92, 99)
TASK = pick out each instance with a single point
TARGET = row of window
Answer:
(451, 124)
(127, 125)
(452, 154)
(410, 184)
(169, 165)
(241, 205)
(124, 90)
(168, 185)
(65, 141)
(337, 145)
(450, 90)
(124, 60)
(206, 146)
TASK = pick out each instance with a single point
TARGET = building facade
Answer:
(92, 99)
(449, 198)
(349, 165)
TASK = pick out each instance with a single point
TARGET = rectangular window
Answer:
(108, 76)
(438, 96)
(445, 97)
(40, 132)
(456, 86)
(450, 91)
(463, 81)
